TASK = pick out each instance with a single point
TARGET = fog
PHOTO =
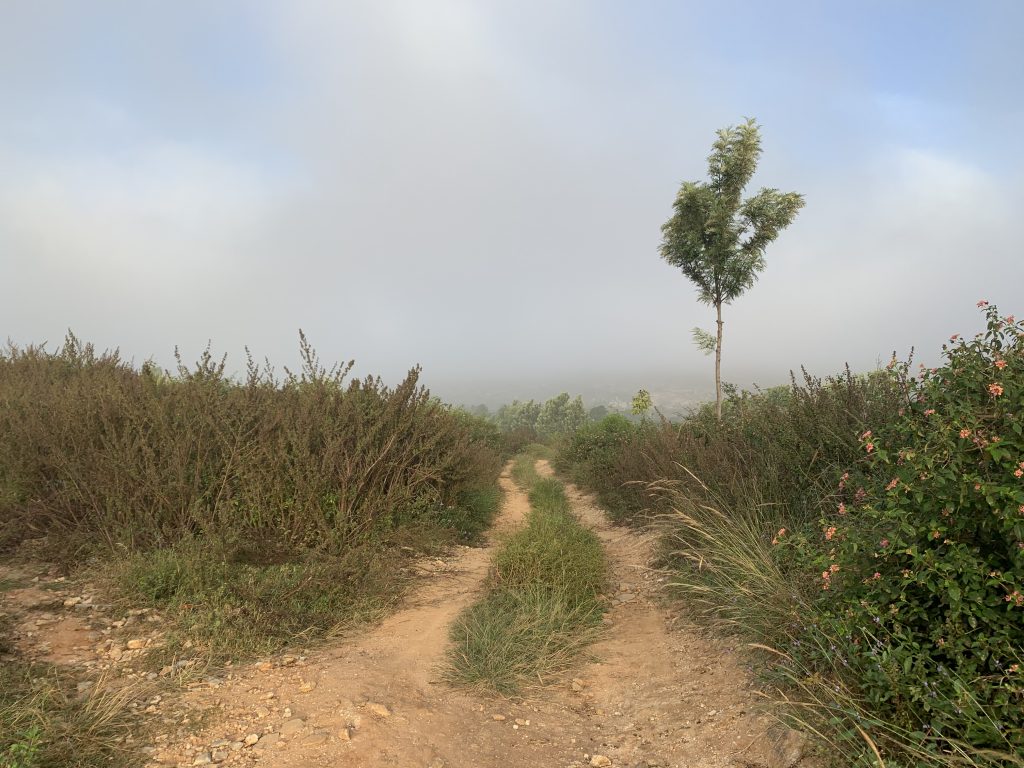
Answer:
(477, 187)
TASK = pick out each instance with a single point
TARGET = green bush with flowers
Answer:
(919, 567)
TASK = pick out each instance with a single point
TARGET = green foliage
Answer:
(641, 403)
(561, 416)
(715, 237)
(920, 567)
(543, 601)
(704, 341)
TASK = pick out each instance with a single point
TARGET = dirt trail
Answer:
(654, 694)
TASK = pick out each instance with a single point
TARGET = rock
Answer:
(577, 685)
(522, 722)
(293, 726)
(378, 709)
(236, 745)
(134, 645)
(203, 758)
(316, 739)
(251, 739)
(787, 750)
(345, 734)
(219, 755)
(600, 761)
(306, 687)
(267, 740)
(72, 602)
(498, 718)
(626, 597)
(264, 666)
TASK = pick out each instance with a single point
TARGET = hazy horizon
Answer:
(478, 187)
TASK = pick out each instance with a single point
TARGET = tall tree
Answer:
(717, 238)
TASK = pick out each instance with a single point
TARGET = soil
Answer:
(654, 691)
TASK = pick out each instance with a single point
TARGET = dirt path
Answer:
(653, 694)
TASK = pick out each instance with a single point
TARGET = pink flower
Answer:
(1020, 509)
(834, 567)
(1011, 319)
(954, 337)
(995, 389)
(830, 532)
(1000, 364)
(876, 576)
(1018, 472)
(982, 303)
(866, 435)
(842, 508)
(869, 447)
(892, 484)
(884, 543)
(929, 412)
(860, 495)
(965, 432)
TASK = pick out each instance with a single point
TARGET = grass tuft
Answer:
(543, 604)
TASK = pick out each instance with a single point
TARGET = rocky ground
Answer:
(655, 691)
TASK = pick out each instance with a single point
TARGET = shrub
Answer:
(98, 455)
(920, 564)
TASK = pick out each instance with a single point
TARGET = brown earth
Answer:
(655, 692)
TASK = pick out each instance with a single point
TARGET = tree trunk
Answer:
(718, 366)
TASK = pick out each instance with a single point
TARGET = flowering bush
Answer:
(919, 570)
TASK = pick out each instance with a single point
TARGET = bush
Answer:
(788, 441)
(920, 565)
(98, 455)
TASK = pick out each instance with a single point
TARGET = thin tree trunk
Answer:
(718, 366)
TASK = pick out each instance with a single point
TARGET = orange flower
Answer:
(1000, 364)
(892, 484)
(995, 389)
(965, 432)
(869, 447)
(830, 532)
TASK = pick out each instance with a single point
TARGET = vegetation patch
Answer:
(46, 722)
(543, 603)
(866, 535)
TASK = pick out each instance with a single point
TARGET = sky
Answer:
(478, 186)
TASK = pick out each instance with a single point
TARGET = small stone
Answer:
(498, 718)
(306, 687)
(292, 726)
(626, 597)
(219, 755)
(378, 709)
(203, 758)
(600, 761)
(316, 739)
(134, 645)
(72, 601)
(236, 745)
(345, 734)
(577, 685)
(522, 722)
(251, 739)
(264, 666)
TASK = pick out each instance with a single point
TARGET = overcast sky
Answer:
(478, 186)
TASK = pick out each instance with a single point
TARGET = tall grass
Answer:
(542, 605)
